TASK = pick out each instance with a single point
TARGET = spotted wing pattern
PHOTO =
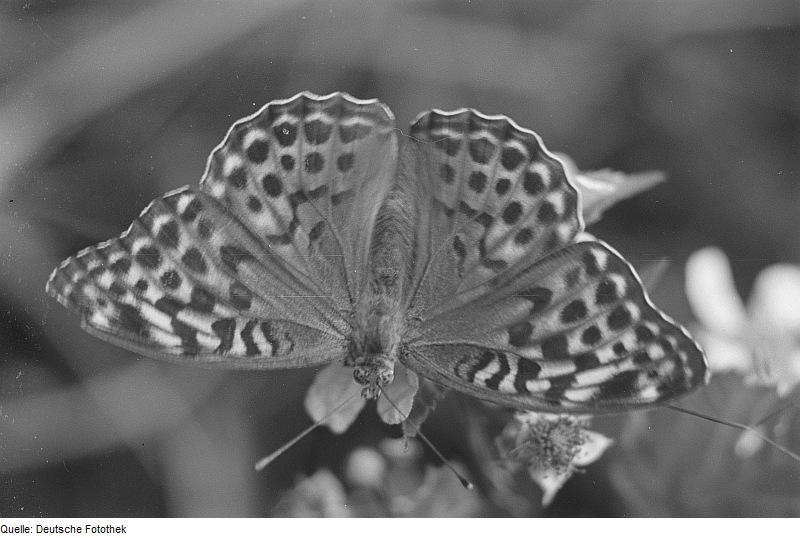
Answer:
(512, 309)
(494, 202)
(574, 332)
(254, 269)
(263, 265)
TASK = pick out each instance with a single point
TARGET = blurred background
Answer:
(106, 105)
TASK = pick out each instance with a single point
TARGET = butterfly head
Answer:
(373, 372)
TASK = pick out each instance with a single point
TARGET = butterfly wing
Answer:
(574, 332)
(253, 269)
(511, 308)
(307, 175)
(490, 201)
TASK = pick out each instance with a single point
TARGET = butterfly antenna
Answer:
(743, 427)
(263, 462)
(785, 407)
(461, 478)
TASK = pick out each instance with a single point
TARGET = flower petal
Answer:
(401, 391)
(601, 189)
(712, 294)
(776, 294)
(550, 481)
(775, 324)
(594, 445)
(366, 467)
(332, 386)
(725, 354)
(748, 444)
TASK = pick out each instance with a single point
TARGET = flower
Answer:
(335, 396)
(552, 447)
(760, 340)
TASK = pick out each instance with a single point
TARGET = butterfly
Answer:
(321, 233)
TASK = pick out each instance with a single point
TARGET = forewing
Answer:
(255, 268)
(574, 332)
(490, 201)
(307, 176)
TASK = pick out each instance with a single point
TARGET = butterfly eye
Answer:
(385, 377)
(360, 375)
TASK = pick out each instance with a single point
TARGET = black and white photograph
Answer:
(398, 259)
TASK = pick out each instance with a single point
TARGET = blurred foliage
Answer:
(391, 480)
(681, 466)
(106, 105)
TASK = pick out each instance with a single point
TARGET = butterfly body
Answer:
(316, 236)
(378, 329)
